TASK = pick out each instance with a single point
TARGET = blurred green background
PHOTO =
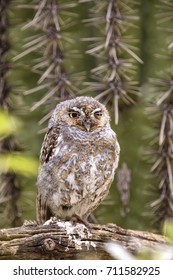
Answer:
(134, 126)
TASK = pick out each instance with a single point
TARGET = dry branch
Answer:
(64, 240)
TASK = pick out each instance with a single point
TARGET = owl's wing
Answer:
(49, 143)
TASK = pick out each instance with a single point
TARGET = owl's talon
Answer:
(76, 219)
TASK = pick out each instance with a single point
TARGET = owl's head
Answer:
(84, 113)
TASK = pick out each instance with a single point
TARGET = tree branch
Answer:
(66, 240)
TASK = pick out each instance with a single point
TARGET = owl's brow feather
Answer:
(97, 110)
(75, 109)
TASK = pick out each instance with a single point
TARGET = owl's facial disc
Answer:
(87, 119)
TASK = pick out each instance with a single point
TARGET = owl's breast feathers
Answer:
(58, 137)
(77, 169)
(76, 159)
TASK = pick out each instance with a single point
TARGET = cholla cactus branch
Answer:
(52, 19)
(9, 190)
(4, 47)
(162, 142)
(165, 18)
(113, 77)
(162, 149)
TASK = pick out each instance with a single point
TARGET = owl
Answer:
(78, 159)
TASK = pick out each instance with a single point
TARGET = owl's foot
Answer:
(76, 219)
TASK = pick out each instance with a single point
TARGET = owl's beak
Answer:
(87, 126)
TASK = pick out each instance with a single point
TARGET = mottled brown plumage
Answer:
(79, 155)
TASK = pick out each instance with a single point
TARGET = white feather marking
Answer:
(93, 172)
(83, 166)
(58, 146)
(71, 180)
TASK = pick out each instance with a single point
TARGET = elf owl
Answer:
(79, 156)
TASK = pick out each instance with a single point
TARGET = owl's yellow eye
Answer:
(73, 115)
